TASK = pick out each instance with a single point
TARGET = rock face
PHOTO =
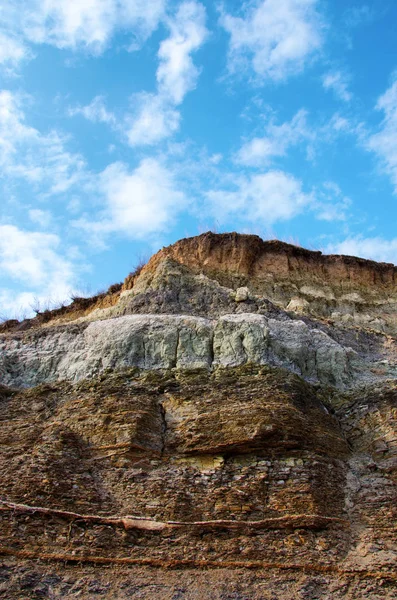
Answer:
(343, 288)
(212, 415)
(168, 341)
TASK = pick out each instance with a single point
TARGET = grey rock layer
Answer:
(168, 341)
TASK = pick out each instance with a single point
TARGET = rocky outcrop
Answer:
(247, 467)
(344, 288)
(229, 413)
(165, 341)
(204, 276)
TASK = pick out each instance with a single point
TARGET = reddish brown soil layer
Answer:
(249, 256)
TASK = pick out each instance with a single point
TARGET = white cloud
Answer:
(81, 24)
(337, 82)
(154, 117)
(143, 201)
(375, 248)
(339, 124)
(177, 74)
(153, 121)
(12, 126)
(96, 112)
(331, 204)
(265, 198)
(32, 256)
(276, 37)
(260, 199)
(40, 217)
(137, 203)
(12, 50)
(337, 127)
(216, 158)
(28, 154)
(38, 261)
(384, 143)
(278, 139)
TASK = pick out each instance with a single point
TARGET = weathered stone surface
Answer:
(166, 341)
(242, 294)
(238, 410)
(368, 417)
(244, 466)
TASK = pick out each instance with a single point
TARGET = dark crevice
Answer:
(163, 426)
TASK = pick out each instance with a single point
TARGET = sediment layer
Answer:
(248, 466)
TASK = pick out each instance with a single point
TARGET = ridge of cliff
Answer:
(344, 289)
(247, 255)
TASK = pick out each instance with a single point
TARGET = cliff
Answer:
(222, 425)
(201, 275)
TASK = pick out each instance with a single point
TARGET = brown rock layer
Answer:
(241, 467)
(249, 255)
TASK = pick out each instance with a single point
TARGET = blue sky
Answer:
(127, 124)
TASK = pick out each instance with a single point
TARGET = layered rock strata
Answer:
(168, 341)
(245, 467)
(344, 288)
(207, 415)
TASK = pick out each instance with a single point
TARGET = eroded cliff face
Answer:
(200, 435)
(343, 288)
(173, 341)
(201, 276)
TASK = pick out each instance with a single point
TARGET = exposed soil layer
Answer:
(51, 579)
(249, 256)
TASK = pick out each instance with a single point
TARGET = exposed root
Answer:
(145, 523)
(190, 563)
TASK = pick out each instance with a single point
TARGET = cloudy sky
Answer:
(128, 124)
